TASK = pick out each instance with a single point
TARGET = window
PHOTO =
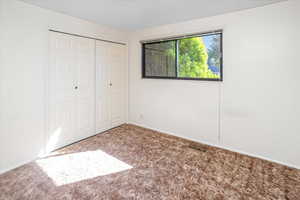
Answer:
(195, 57)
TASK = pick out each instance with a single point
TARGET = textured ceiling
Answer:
(138, 14)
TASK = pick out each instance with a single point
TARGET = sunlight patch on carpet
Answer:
(71, 168)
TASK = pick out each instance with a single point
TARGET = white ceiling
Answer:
(137, 14)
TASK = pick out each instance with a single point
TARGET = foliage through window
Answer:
(197, 57)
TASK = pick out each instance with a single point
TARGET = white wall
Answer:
(23, 63)
(255, 109)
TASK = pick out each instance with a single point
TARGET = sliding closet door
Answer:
(71, 90)
(117, 84)
(111, 85)
(85, 87)
(61, 91)
(103, 114)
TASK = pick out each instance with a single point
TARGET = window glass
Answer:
(197, 57)
(160, 59)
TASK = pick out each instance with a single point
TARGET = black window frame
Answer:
(176, 39)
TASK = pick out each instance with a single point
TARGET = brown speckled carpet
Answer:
(130, 162)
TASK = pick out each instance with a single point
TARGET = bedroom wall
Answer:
(255, 110)
(23, 63)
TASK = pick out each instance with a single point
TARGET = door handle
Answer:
(76, 87)
(110, 84)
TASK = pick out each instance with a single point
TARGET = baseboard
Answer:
(177, 135)
(218, 146)
(2, 171)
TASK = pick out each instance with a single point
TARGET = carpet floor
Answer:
(131, 162)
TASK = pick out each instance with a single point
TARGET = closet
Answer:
(86, 88)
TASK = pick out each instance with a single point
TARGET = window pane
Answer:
(160, 59)
(200, 57)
